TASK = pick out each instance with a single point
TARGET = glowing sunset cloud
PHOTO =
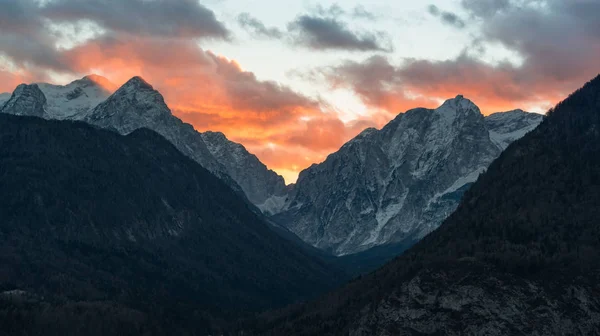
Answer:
(273, 75)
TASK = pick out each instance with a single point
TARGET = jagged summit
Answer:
(26, 100)
(137, 82)
(457, 106)
(136, 104)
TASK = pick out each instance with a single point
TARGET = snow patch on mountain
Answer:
(506, 127)
(76, 98)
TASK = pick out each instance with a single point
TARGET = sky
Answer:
(293, 80)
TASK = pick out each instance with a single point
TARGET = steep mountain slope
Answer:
(520, 256)
(128, 221)
(263, 186)
(397, 184)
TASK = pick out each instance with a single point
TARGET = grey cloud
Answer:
(321, 33)
(182, 18)
(27, 43)
(555, 38)
(447, 17)
(334, 10)
(25, 39)
(257, 28)
(486, 8)
(360, 12)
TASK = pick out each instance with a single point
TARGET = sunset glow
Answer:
(272, 86)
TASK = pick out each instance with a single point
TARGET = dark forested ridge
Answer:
(124, 235)
(521, 255)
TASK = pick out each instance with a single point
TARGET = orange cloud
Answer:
(10, 80)
(286, 130)
(423, 83)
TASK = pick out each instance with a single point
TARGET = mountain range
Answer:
(384, 187)
(397, 184)
(118, 214)
(519, 256)
(137, 105)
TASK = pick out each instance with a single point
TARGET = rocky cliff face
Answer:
(26, 100)
(398, 183)
(506, 127)
(261, 185)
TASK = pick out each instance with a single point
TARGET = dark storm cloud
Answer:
(322, 33)
(448, 18)
(182, 18)
(257, 28)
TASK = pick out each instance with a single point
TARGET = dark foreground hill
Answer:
(108, 234)
(520, 256)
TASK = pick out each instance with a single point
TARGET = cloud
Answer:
(448, 18)
(164, 18)
(160, 43)
(396, 88)
(377, 82)
(558, 40)
(485, 8)
(213, 93)
(323, 33)
(558, 43)
(360, 12)
(257, 28)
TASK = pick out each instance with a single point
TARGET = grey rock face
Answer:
(261, 185)
(506, 127)
(26, 100)
(394, 184)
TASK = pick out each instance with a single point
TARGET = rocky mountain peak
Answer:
(137, 83)
(26, 100)
(458, 106)
(135, 104)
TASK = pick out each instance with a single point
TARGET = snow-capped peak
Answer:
(135, 104)
(459, 104)
(136, 83)
(74, 100)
